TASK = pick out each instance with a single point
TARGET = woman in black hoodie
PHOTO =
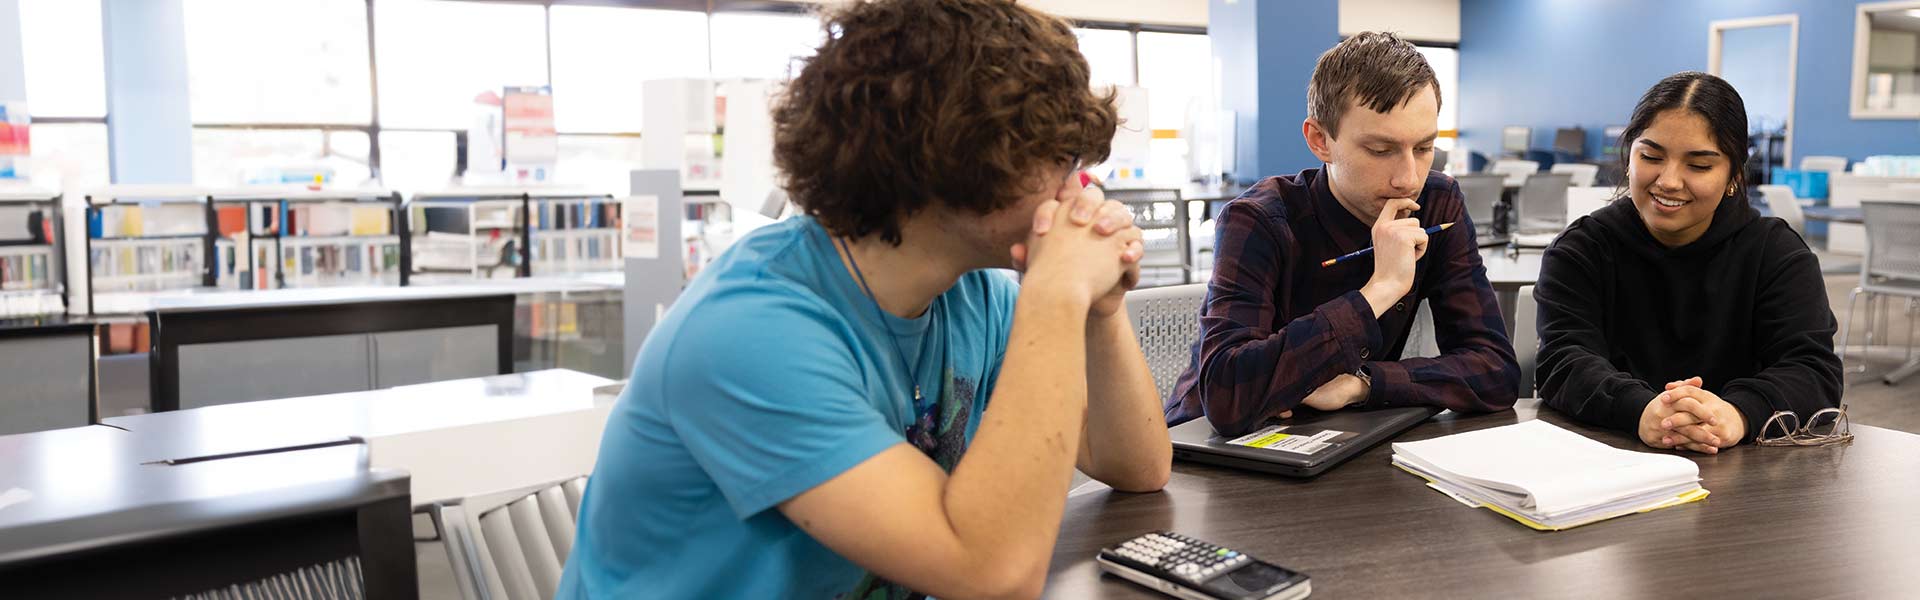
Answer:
(1677, 312)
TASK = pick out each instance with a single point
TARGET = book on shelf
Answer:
(26, 268)
(146, 264)
(1548, 478)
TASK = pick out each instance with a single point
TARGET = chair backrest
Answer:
(1783, 204)
(511, 544)
(1526, 340)
(1893, 241)
(1481, 192)
(1440, 160)
(1830, 164)
(1516, 171)
(1583, 174)
(1543, 203)
(1167, 321)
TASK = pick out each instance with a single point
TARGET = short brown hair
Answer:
(913, 101)
(1378, 69)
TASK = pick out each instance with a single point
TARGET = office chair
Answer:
(1439, 160)
(1526, 339)
(511, 544)
(1542, 207)
(1516, 171)
(1481, 193)
(1546, 158)
(1167, 322)
(1783, 204)
(1161, 214)
(1891, 268)
(1583, 174)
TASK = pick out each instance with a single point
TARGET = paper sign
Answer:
(642, 221)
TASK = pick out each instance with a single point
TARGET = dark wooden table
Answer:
(1781, 522)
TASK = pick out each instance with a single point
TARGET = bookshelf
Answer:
(145, 239)
(504, 233)
(33, 278)
(305, 239)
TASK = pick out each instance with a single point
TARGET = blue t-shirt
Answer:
(771, 374)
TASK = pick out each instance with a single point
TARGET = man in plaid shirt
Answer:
(1279, 331)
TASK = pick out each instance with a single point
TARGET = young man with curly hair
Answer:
(1281, 331)
(848, 403)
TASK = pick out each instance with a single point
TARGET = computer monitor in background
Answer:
(1570, 142)
(1610, 145)
(1514, 140)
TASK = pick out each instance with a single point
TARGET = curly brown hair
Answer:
(908, 102)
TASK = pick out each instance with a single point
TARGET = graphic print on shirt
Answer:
(956, 412)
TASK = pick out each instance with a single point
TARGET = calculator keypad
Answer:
(1184, 557)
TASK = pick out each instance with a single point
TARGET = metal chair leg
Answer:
(1909, 367)
(1846, 330)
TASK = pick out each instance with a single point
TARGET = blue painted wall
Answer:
(1266, 50)
(149, 127)
(1557, 63)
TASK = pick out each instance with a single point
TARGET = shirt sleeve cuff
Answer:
(1389, 379)
(1629, 403)
(1754, 408)
(1350, 320)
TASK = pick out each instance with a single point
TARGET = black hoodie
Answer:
(1744, 307)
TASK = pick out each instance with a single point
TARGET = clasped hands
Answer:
(1688, 417)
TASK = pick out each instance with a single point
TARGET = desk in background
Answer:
(1781, 522)
(243, 346)
(102, 522)
(46, 364)
(455, 437)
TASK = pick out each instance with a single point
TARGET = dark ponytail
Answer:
(1708, 96)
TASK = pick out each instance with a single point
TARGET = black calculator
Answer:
(1185, 567)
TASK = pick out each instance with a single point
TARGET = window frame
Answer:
(1862, 39)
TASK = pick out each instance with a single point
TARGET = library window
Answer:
(69, 156)
(602, 55)
(228, 157)
(761, 46)
(278, 62)
(1446, 68)
(64, 56)
(1109, 55)
(598, 162)
(436, 58)
(417, 160)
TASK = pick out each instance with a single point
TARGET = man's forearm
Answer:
(1006, 493)
(1126, 443)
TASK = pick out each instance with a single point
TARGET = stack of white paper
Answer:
(1549, 478)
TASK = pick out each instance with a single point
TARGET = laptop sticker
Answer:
(1294, 439)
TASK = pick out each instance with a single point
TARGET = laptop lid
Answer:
(1304, 446)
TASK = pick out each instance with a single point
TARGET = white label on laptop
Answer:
(1275, 437)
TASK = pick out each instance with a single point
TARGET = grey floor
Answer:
(1869, 402)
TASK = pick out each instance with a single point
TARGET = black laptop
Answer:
(1303, 446)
